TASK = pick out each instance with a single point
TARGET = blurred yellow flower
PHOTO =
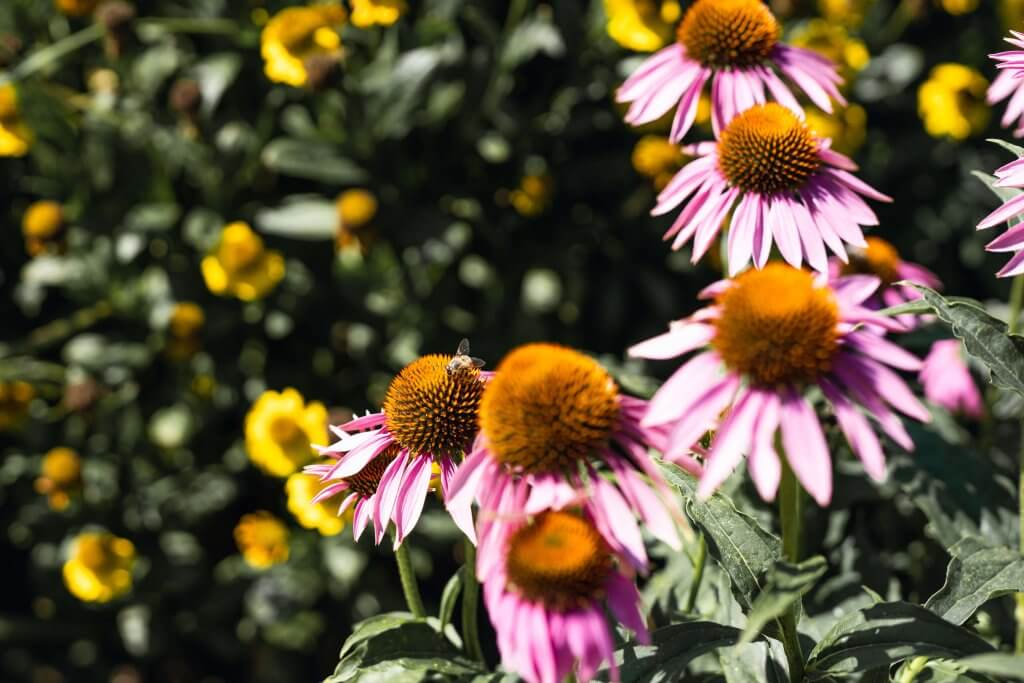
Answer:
(657, 158)
(833, 41)
(366, 13)
(41, 225)
(1011, 12)
(642, 25)
(15, 137)
(240, 266)
(322, 516)
(533, 195)
(846, 127)
(958, 6)
(279, 429)
(262, 539)
(356, 208)
(60, 477)
(184, 325)
(952, 102)
(297, 34)
(76, 8)
(849, 13)
(14, 400)
(99, 567)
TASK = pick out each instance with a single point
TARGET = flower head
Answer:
(769, 335)
(1010, 175)
(367, 13)
(556, 431)
(15, 137)
(736, 45)
(240, 266)
(262, 539)
(642, 25)
(41, 226)
(356, 209)
(279, 431)
(99, 566)
(15, 397)
(952, 102)
(546, 592)
(296, 35)
(947, 380)
(384, 466)
(786, 185)
(881, 259)
(1007, 85)
(322, 516)
(60, 477)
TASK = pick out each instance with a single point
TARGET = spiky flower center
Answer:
(776, 327)
(879, 258)
(560, 560)
(729, 33)
(547, 408)
(366, 480)
(430, 409)
(767, 149)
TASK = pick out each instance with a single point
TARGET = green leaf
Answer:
(449, 597)
(745, 551)
(976, 574)
(671, 649)
(909, 308)
(1015, 149)
(996, 664)
(752, 663)
(215, 74)
(312, 160)
(886, 633)
(984, 337)
(303, 218)
(785, 584)
(536, 35)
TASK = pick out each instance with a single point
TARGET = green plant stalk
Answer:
(1012, 324)
(408, 579)
(470, 598)
(790, 518)
(913, 667)
(698, 573)
(50, 54)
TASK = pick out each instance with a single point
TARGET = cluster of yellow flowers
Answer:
(99, 566)
(952, 102)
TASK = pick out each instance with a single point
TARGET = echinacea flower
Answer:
(280, 429)
(735, 45)
(770, 335)
(1010, 83)
(947, 380)
(952, 102)
(1010, 175)
(556, 432)
(787, 187)
(262, 539)
(297, 36)
(546, 592)
(882, 260)
(99, 566)
(384, 460)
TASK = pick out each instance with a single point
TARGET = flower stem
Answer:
(698, 573)
(408, 579)
(790, 517)
(1012, 324)
(470, 597)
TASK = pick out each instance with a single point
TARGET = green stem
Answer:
(698, 573)
(1016, 302)
(470, 598)
(790, 517)
(52, 53)
(913, 667)
(408, 578)
(1012, 324)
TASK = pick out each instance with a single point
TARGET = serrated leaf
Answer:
(977, 573)
(671, 649)
(995, 664)
(449, 597)
(984, 337)
(887, 633)
(302, 218)
(311, 160)
(785, 584)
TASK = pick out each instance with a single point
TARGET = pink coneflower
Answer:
(769, 335)
(947, 380)
(546, 592)
(734, 44)
(1009, 82)
(787, 186)
(1010, 175)
(384, 460)
(556, 432)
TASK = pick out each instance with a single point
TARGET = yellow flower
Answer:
(240, 266)
(15, 137)
(76, 8)
(356, 208)
(658, 159)
(642, 25)
(99, 567)
(14, 400)
(262, 539)
(366, 13)
(952, 102)
(296, 34)
(958, 6)
(41, 225)
(279, 430)
(833, 41)
(1011, 12)
(61, 477)
(849, 13)
(533, 195)
(322, 516)
(846, 127)
(184, 325)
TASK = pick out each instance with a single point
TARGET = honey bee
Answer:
(462, 360)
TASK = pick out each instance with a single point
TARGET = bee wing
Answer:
(463, 349)
(478, 362)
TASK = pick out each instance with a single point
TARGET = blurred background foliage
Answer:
(228, 223)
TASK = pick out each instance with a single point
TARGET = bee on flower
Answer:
(99, 566)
